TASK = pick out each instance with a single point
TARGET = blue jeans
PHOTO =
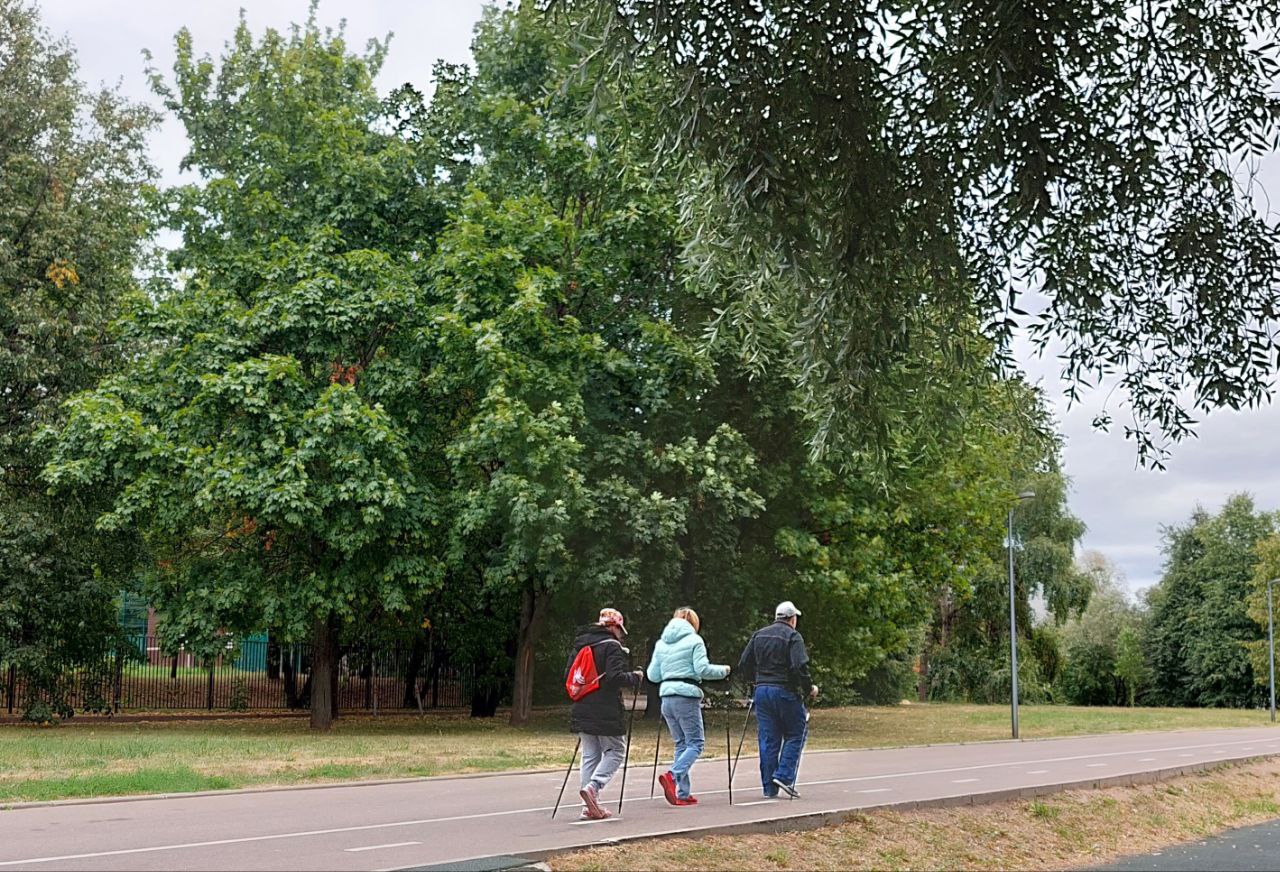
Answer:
(683, 715)
(781, 730)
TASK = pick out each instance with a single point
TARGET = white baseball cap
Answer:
(786, 609)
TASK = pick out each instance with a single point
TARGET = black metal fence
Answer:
(248, 675)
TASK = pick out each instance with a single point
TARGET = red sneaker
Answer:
(590, 795)
(668, 782)
(690, 800)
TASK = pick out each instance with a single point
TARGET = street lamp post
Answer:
(1271, 645)
(1013, 624)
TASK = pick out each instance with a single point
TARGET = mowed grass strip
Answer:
(111, 759)
(1071, 830)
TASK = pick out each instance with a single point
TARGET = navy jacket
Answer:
(776, 656)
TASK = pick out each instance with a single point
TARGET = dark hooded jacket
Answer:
(601, 713)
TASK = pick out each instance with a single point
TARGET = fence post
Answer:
(119, 680)
(368, 679)
(13, 684)
(209, 695)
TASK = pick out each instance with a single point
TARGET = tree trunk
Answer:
(417, 654)
(484, 700)
(533, 608)
(290, 679)
(324, 672)
(922, 679)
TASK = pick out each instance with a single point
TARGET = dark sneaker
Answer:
(788, 789)
(771, 794)
(591, 799)
(668, 782)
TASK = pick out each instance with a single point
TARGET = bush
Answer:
(40, 712)
(239, 694)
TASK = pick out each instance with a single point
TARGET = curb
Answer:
(816, 820)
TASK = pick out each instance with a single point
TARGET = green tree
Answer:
(1131, 664)
(1200, 626)
(968, 640)
(1091, 674)
(270, 438)
(72, 169)
(856, 167)
(578, 466)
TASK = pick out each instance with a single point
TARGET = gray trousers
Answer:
(601, 757)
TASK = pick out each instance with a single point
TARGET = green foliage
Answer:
(72, 169)
(269, 438)
(1131, 664)
(1200, 626)
(1091, 643)
(966, 648)
(856, 169)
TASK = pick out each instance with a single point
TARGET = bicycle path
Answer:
(423, 822)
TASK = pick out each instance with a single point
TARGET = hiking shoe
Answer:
(591, 799)
(589, 815)
(771, 794)
(668, 782)
(689, 800)
(788, 789)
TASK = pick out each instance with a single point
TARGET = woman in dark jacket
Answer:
(599, 718)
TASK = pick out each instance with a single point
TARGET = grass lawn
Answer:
(109, 759)
(1070, 830)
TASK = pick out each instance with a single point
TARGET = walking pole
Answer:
(654, 780)
(742, 738)
(572, 760)
(631, 722)
(803, 742)
(728, 760)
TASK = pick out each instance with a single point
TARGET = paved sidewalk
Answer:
(431, 821)
(1247, 849)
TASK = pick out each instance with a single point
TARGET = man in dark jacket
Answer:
(775, 661)
(599, 718)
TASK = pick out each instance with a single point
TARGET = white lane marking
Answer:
(964, 781)
(1247, 748)
(1186, 755)
(600, 821)
(379, 847)
(757, 802)
(1147, 760)
(876, 790)
(1094, 765)
(304, 833)
(272, 836)
(979, 766)
(1037, 771)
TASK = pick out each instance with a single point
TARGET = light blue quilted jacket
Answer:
(681, 653)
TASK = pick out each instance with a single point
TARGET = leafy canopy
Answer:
(858, 169)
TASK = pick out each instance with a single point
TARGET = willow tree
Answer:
(855, 166)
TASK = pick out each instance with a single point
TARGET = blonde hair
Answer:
(689, 615)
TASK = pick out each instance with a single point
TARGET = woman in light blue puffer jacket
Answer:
(680, 665)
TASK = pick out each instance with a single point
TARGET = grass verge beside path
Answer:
(113, 759)
(1080, 828)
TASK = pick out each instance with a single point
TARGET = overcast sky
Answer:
(1123, 505)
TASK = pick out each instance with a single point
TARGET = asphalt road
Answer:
(1247, 849)
(427, 821)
